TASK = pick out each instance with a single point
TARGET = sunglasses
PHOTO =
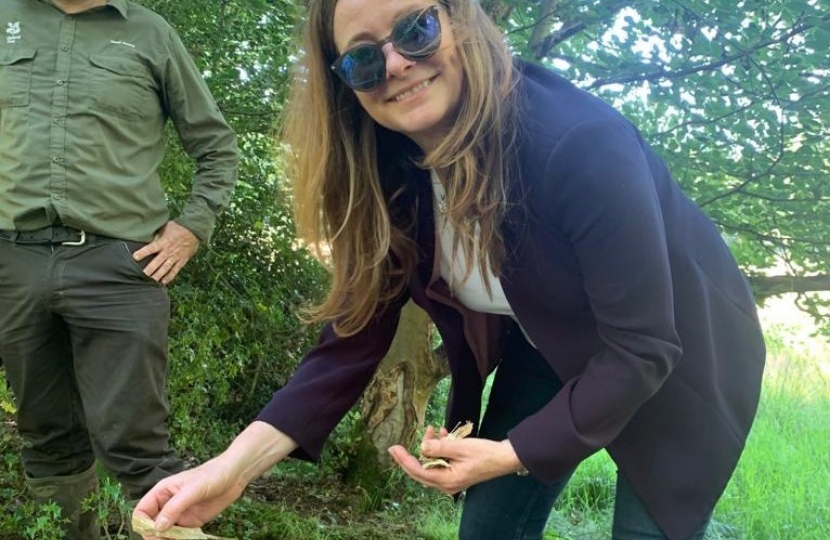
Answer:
(415, 37)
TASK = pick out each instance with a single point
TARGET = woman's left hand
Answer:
(471, 461)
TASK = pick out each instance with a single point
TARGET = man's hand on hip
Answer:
(172, 247)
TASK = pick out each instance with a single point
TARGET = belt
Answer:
(55, 234)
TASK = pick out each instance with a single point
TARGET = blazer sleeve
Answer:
(329, 381)
(598, 194)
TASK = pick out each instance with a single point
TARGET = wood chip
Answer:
(146, 527)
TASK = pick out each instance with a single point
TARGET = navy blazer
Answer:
(622, 283)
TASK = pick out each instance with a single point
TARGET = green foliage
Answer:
(436, 407)
(780, 490)
(244, 48)
(110, 507)
(6, 401)
(235, 335)
(46, 523)
(346, 444)
(734, 95)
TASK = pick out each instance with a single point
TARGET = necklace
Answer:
(439, 195)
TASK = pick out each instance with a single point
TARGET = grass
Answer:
(781, 489)
(782, 486)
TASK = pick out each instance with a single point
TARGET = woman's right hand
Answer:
(190, 498)
(194, 497)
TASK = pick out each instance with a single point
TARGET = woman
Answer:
(537, 229)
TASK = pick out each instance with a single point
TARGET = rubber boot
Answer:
(68, 492)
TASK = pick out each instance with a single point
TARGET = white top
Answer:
(470, 292)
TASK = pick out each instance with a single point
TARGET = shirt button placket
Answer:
(60, 104)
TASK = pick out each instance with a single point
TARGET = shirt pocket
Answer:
(16, 76)
(121, 86)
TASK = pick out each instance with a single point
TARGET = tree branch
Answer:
(665, 74)
(777, 240)
(542, 47)
(540, 29)
(766, 286)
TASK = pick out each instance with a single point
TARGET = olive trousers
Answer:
(83, 337)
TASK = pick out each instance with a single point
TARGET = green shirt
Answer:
(83, 103)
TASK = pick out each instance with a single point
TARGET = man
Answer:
(86, 243)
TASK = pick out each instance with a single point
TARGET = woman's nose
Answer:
(396, 63)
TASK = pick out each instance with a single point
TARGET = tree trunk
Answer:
(395, 402)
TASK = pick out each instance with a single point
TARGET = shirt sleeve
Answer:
(598, 193)
(205, 136)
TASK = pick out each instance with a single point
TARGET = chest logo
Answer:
(13, 33)
(122, 43)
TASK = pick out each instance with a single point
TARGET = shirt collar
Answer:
(119, 5)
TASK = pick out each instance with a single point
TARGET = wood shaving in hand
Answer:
(146, 527)
(459, 432)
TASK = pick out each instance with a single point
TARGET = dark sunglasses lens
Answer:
(418, 35)
(362, 68)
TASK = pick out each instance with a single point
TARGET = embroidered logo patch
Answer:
(13, 33)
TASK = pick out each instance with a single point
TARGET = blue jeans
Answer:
(516, 507)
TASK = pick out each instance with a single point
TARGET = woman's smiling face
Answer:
(418, 97)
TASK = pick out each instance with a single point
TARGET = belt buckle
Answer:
(80, 242)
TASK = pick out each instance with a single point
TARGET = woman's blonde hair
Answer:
(332, 159)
